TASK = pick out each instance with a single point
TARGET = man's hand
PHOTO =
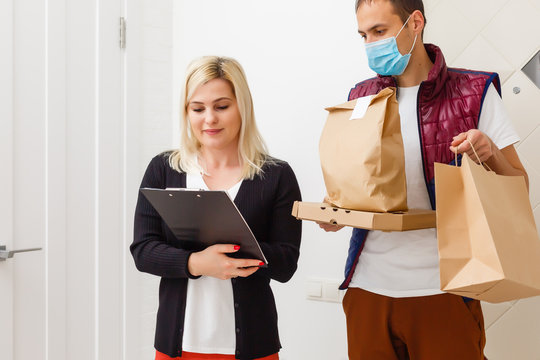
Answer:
(481, 143)
(330, 227)
(502, 161)
(326, 226)
(214, 262)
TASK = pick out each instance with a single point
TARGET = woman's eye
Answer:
(224, 107)
(197, 110)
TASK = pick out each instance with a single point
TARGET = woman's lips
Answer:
(212, 131)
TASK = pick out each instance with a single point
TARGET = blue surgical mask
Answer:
(384, 57)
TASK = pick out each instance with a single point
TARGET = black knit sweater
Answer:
(265, 202)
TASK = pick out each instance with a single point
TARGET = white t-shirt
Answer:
(209, 326)
(406, 264)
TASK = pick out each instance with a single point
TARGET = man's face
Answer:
(378, 20)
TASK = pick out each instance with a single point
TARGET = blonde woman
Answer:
(212, 306)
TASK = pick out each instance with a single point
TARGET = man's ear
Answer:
(417, 22)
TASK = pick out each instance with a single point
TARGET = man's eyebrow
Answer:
(371, 28)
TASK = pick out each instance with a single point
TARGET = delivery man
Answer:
(394, 306)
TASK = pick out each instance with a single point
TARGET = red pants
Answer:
(194, 356)
(441, 327)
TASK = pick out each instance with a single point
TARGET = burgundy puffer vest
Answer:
(449, 102)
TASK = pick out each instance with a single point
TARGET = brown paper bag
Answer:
(362, 159)
(489, 247)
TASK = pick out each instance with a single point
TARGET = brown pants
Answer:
(438, 327)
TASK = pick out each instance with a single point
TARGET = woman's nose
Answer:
(211, 117)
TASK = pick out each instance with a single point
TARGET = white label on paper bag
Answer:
(361, 107)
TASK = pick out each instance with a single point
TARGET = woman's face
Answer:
(214, 116)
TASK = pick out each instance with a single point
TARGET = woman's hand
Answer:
(214, 262)
(481, 143)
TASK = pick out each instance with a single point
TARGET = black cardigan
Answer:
(266, 203)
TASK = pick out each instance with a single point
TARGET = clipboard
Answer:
(205, 217)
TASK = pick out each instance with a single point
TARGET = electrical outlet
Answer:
(314, 290)
(331, 292)
(324, 290)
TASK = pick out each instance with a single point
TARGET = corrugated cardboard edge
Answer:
(295, 209)
(413, 219)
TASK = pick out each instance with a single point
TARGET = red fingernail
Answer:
(261, 263)
(236, 247)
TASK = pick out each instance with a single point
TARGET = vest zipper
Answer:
(422, 149)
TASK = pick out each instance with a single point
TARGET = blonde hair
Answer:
(252, 150)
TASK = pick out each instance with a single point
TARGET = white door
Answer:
(63, 179)
(22, 184)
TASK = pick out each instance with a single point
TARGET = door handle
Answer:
(5, 254)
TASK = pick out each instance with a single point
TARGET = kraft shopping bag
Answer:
(489, 247)
(362, 156)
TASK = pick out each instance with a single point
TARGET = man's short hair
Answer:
(403, 8)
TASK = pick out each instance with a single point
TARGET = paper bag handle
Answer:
(476, 154)
(478, 157)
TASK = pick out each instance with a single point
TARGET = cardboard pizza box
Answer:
(413, 219)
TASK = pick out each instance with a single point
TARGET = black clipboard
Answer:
(206, 217)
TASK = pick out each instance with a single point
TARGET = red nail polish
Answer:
(261, 263)
(236, 247)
